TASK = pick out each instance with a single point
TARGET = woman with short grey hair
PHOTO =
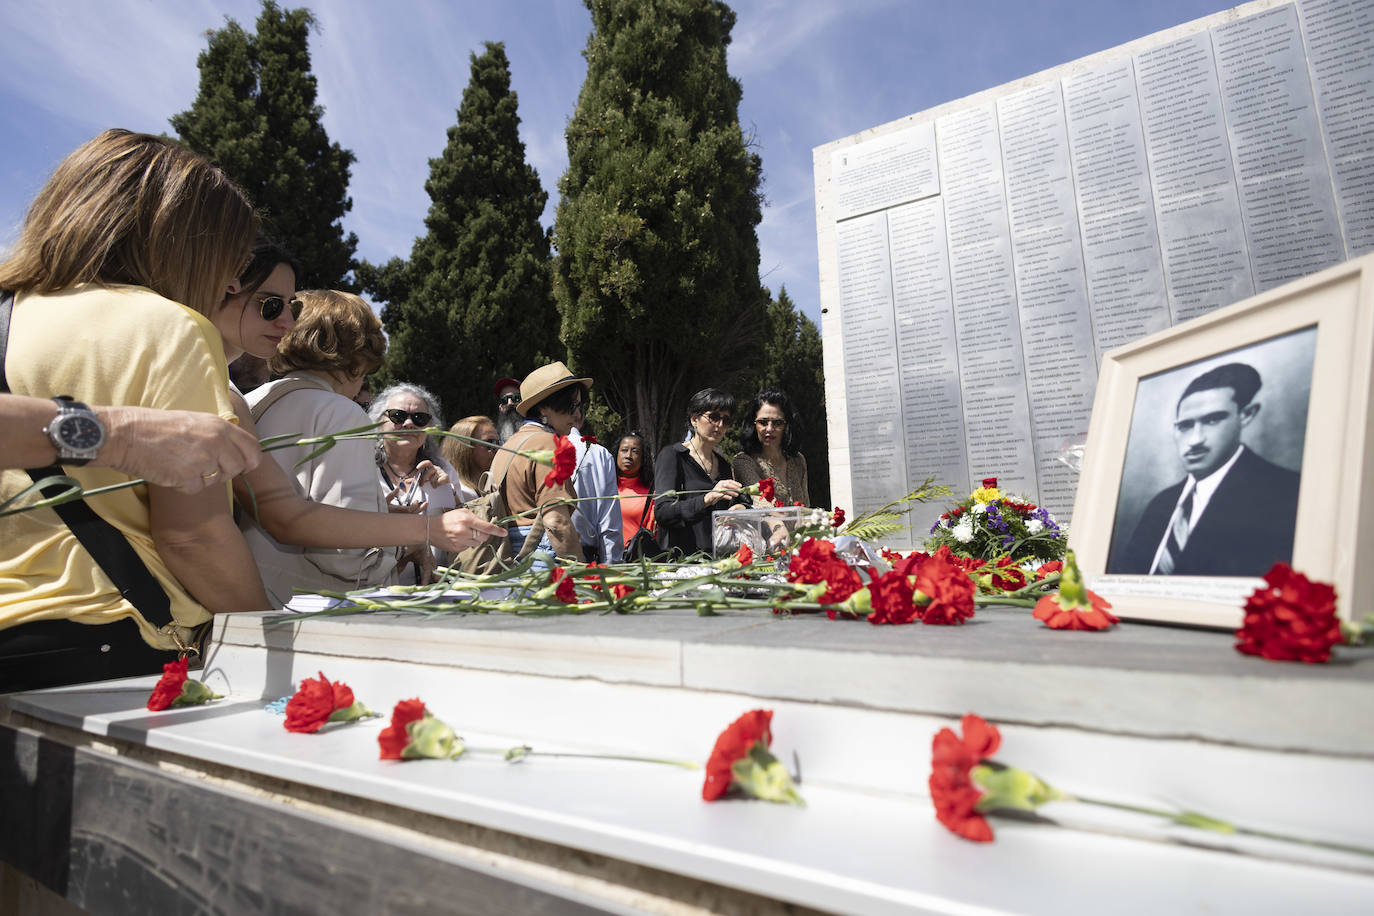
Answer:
(414, 477)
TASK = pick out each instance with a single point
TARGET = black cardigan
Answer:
(684, 522)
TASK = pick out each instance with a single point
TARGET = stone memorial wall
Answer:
(978, 259)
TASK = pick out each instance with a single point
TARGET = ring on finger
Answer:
(210, 476)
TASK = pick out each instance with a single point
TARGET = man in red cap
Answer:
(508, 419)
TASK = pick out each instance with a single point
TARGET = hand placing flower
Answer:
(1073, 607)
(414, 733)
(319, 701)
(742, 762)
(1291, 619)
(175, 688)
(765, 488)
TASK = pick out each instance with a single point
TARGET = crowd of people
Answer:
(138, 277)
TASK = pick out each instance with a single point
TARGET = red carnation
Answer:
(1008, 576)
(315, 701)
(816, 562)
(564, 462)
(892, 597)
(1291, 619)
(990, 482)
(1074, 606)
(952, 789)
(394, 738)
(1047, 569)
(168, 688)
(837, 518)
(620, 591)
(948, 587)
(744, 555)
(589, 440)
(767, 489)
(565, 592)
(731, 745)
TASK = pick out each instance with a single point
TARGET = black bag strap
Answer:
(111, 550)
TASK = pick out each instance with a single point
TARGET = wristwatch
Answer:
(76, 432)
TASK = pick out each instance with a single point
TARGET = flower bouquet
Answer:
(989, 525)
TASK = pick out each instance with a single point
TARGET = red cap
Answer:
(504, 382)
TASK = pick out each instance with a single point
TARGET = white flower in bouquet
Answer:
(1035, 526)
(979, 508)
(963, 532)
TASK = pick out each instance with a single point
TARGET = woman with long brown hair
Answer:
(124, 253)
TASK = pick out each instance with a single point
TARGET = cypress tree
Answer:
(473, 303)
(256, 117)
(657, 270)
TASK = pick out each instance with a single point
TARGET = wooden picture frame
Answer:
(1332, 314)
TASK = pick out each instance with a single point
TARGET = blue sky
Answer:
(391, 75)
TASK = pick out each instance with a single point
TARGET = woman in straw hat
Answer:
(549, 397)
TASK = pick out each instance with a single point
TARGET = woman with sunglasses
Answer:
(413, 476)
(696, 464)
(336, 342)
(769, 449)
(257, 314)
(468, 460)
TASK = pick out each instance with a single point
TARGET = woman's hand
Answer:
(458, 529)
(723, 491)
(180, 449)
(421, 556)
(427, 475)
(393, 503)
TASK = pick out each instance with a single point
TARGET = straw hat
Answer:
(543, 382)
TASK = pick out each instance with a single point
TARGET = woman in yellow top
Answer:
(124, 253)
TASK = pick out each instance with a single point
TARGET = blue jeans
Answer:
(517, 534)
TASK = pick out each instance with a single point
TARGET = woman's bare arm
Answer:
(196, 537)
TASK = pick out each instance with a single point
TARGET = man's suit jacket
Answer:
(1246, 527)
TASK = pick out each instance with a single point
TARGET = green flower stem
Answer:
(1202, 822)
(520, 752)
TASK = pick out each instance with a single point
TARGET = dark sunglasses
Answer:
(508, 399)
(718, 418)
(270, 307)
(399, 417)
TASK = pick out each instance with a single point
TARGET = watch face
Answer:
(80, 433)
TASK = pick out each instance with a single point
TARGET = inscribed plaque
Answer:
(1285, 184)
(1340, 54)
(1115, 206)
(932, 409)
(1056, 327)
(1206, 260)
(885, 172)
(982, 280)
(872, 375)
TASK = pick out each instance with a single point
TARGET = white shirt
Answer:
(1202, 491)
(599, 521)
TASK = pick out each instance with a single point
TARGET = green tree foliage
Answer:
(256, 117)
(474, 302)
(657, 271)
(791, 362)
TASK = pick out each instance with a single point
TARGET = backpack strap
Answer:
(279, 390)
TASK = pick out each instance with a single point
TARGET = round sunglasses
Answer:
(399, 417)
(270, 307)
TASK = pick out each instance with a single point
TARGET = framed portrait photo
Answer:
(1229, 443)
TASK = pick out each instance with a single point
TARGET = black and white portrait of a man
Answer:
(1211, 487)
